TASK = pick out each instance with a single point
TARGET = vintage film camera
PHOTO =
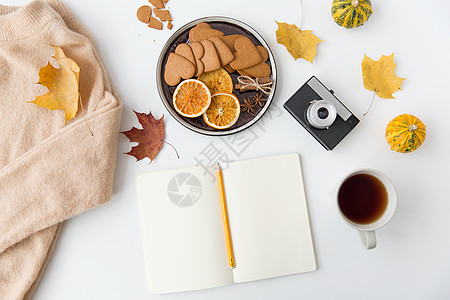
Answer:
(321, 113)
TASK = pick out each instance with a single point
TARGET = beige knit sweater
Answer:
(49, 171)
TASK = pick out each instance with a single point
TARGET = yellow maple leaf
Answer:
(66, 62)
(378, 76)
(62, 84)
(299, 43)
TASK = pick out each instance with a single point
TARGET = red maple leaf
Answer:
(150, 137)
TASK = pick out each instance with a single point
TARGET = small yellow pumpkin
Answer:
(351, 13)
(405, 133)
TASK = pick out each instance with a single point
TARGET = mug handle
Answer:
(368, 238)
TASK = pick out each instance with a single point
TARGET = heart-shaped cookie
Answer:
(258, 71)
(198, 51)
(229, 40)
(186, 51)
(177, 67)
(198, 34)
(263, 52)
(224, 53)
(262, 69)
(203, 25)
(200, 68)
(242, 72)
(246, 55)
(210, 58)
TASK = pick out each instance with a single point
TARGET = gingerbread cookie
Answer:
(225, 55)
(198, 51)
(263, 52)
(229, 69)
(200, 68)
(155, 23)
(203, 25)
(186, 51)
(242, 72)
(198, 34)
(262, 69)
(144, 13)
(246, 55)
(258, 71)
(162, 14)
(157, 3)
(210, 58)
(177, 67)
(229, 40)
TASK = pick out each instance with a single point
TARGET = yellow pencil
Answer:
(225, 217)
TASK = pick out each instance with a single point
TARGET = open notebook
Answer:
(182, 226)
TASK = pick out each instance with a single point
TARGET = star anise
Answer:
(258, 100)
(248, 106)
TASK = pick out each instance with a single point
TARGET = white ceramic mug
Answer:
(367, 231)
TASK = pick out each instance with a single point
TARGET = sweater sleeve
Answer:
(69, 172)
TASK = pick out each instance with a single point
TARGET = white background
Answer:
(99, 253)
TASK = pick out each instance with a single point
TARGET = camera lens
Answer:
(322, 113)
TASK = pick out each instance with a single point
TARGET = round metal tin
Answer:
(228, 26)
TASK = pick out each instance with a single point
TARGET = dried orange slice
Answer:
(191, 98)
(223, 111)
(218, 81)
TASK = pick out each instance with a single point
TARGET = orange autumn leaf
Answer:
(299, 43)
(150, 137)
(62, 84)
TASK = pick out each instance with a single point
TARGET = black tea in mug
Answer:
(362, 198)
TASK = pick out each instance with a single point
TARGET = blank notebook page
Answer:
(268, 218)
(184, 247)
